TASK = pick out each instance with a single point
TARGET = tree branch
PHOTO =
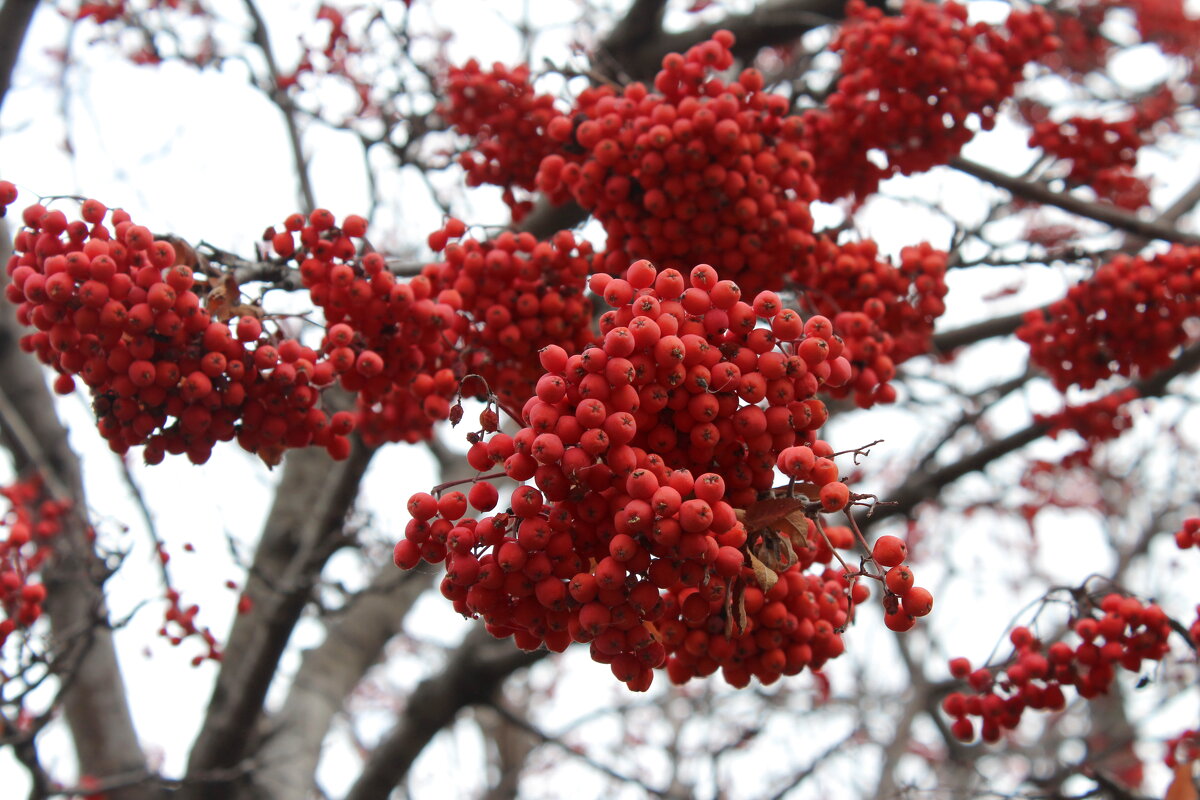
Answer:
(279, 97)
(354, 641)
(303, 529)
(1100, 212)
(15, 16)
(94, 698)
(926, 485)
(473, 673)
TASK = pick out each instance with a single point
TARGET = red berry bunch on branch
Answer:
(1121, 632)
(699, 170)
(642, 532)
(914, 87)
(519, 295)
(1100, 420)
(884, 313)
(511, 128)
(391, 343)
(1127, 319)
(27, 530)
(166, 363)
(1102, 153)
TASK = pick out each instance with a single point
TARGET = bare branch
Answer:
(472, 675)
(15, 16)
(354, 641)
(926, 485)
(303, 529)
(279, 97)
(1109, 215)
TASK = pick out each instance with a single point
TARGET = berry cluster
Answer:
(1098, 421)
(912, 87)
(1102, 153)
(699, 170)
(520, 295)
(643, 533)
(1168, 24)
(903, 601)
(511, 128)
(884, 313)
(1188, 534)
(391, 343)
(120, 310)
(1084, 48)
(179, 624)
(27, 531)
(1122, 632)
(1126, 319)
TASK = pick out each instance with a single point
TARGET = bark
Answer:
(15, 16)
(303, 529)
(354, 642)
(93, 697)
(473, 673)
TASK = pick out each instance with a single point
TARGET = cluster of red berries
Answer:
(1168, 24)
(1188, 534)
(1102, 153)
(392, 343)
(903, 601)
(911, 85)
(1126, 319)
(885, 313)
(520, 295)
(697, 171)
(510, 126)
(1122, 632)
(120, 310)
(119, 19)
(1100, 420)
(1084, 48)
(642, 450)
(179, 625)
(27, 531)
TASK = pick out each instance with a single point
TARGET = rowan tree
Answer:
(775, 363)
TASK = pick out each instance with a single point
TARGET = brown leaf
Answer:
(766, 512)
(1182, 786)
(796, 526)
(775, 551)
(222, 298)
(765, 576)
(735, 608)
(185, 254)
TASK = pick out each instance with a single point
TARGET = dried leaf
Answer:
(765, 576)
(185, 254)
(796, 526)
(739, 608)
(775, 551)
(735, 608)
(769, 511)
(221, 301)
